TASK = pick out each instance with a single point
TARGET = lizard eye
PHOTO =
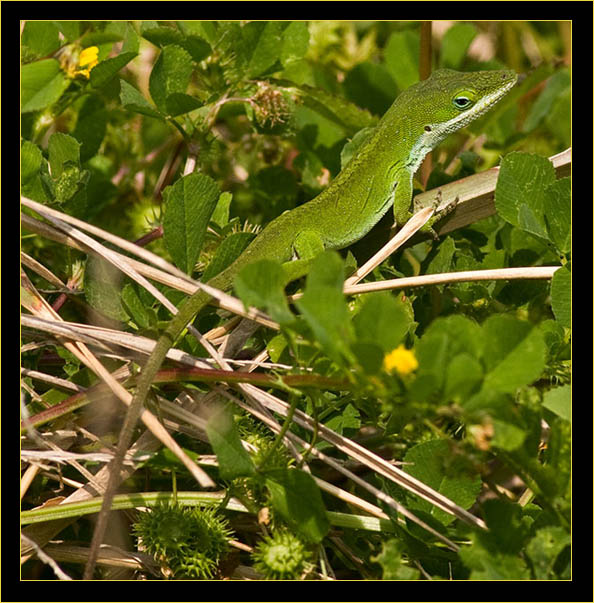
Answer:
(462, 102)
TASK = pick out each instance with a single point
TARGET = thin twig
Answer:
(61, 456)
(60, 574)
(418, 220)
(530, 272)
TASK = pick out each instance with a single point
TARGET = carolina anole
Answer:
(380, 175)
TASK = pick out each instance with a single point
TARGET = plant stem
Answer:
(281, 434)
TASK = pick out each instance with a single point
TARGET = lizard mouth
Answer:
(490, 99)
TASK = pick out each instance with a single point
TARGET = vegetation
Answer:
(413, 432)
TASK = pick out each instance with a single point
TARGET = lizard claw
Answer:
(437, 201)
(448, 208)
(440, 212)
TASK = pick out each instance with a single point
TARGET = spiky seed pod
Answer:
(190, 541)
(281, 556)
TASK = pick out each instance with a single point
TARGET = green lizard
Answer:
(380, 175)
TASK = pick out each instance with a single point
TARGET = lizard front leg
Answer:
(440, 213)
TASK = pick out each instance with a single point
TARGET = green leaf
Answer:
(54, 396)
(507, 436)
(401, 57)
(326, 313)
(507, 529)
(349, 418)
(277, 187)
(39, 39)
(514, 353)
(91, 126)
(266, 40)
(455, 43)
(442, 260)
(391, 561)
(107, 69)
(337, 109)
(42, 83)
(201, 29)
(531, 221)
(160, 35)
(135, 307)
(371, 86)
(327, 270)
(561, 295)
(227, 252)
(557, 213)
(170, 75)
(295, 42)
(106, 37)
(558, 400)
(131, 40)
(557, 84)
(489, 565)
(67, 185)
(442, 341)
(558, 121)
(369, 355)
(554, 334)
(324, 307)
(189, 205)
(262, 284)
(433, 355)
(31, 158)
(40, 187)
(189, 38)
(220, 216)
(520, 191)
(178, 104)
(496, 554)
(234, 461)
(464, 375)
(544, 549)
(68, 181)
(69, 29)
(198, 48)
(464, 335)
(276, 346)
(558, 456)
(67, 177)
(102, 285)
(133, 100)
(432, 462)
(296, 497)
(63, 151)
(383, 320)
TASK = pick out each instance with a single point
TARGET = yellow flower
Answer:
(401, 360)
(88, 59)
(75, 63)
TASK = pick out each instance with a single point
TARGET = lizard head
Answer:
(446, 102)
(459, 98)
